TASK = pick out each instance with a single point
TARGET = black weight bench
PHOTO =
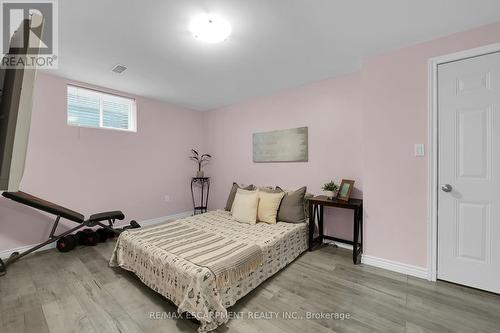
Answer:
(59, 212)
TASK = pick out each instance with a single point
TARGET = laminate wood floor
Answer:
(78, 292)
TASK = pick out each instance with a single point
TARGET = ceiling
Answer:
(275, 44)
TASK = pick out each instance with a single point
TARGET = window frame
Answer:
(132, 116)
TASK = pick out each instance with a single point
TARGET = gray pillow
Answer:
(270, 189)
(306, 203)
(232, 194)
(292, 206)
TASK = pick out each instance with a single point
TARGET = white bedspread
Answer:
(193, 288)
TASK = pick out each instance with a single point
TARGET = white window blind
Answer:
(91, 108)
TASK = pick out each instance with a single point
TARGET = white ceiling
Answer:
(275, 44)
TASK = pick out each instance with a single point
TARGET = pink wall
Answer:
(92, 170)
(395, 116)
(332, 111)
(362, 126)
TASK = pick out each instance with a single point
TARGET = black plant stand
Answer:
(204, 183)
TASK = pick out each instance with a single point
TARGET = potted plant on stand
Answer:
(330, 189)
(201, 160)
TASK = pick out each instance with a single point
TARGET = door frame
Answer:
(432, 187)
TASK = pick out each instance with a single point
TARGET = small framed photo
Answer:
(345, 189)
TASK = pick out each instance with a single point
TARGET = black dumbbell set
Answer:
(90, 237)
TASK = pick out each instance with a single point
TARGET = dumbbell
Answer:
(81, 237)
(87, 237)
(92, 237)
(66, 243)
(111, 234)
(102, 234)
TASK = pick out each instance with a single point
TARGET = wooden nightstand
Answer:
(316, 206)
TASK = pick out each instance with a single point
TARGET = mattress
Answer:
(193, 288)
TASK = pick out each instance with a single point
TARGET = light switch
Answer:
(419, 150)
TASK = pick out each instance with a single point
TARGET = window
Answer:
(92, 108)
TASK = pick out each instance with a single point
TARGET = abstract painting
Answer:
(290, 145)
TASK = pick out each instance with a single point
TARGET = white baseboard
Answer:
(4, 254)
(341, 245)
(158, 220)
(365, 259)
(386, 264)
(395, 266)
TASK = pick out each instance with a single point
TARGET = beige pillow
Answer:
(245, 206)
(232, 193)
(268, 206)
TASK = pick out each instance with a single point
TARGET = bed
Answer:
(194, 288)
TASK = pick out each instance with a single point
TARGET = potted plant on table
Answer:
(201, 160)
(330, 189)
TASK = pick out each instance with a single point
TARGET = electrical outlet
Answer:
(167, 198)
(419, 150)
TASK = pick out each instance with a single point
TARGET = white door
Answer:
(469, 171)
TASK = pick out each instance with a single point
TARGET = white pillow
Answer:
(245, 206)
(268, 206)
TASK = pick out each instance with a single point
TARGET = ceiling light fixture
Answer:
(210, 28)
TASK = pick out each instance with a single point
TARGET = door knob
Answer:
(446, 188)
